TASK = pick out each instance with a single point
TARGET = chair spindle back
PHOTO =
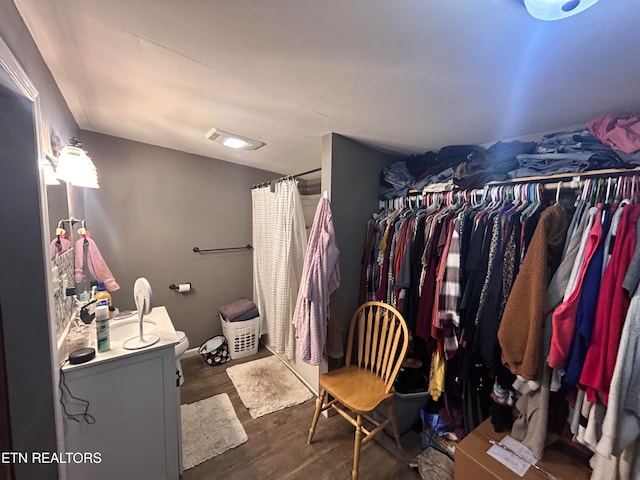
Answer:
(382, 340)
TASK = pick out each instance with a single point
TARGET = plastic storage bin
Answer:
(242, 337)
(407, 409)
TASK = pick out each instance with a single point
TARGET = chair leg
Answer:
(316, 414)
(356, 448)
(394, 423)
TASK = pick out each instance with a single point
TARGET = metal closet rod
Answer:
(205, 250)
(567, 181)
(265, 184)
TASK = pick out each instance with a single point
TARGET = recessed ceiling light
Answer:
(556, 9)
(232, 140)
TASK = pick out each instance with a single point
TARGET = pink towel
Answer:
(59, 246)
(96, 265)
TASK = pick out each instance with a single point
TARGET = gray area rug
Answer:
(267, 385)
(209, 428)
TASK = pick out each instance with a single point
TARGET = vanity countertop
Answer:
(163, 328)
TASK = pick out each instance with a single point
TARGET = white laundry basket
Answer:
(242, 337)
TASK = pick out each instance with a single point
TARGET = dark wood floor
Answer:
(277, 445)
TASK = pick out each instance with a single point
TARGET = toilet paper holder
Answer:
(181, 287)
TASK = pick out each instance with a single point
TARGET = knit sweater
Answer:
(521, 329)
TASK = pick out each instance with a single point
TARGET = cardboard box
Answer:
(473, 462)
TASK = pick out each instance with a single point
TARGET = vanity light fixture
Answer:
(556, 9)
(232, 140)
(76, 167)
(48, 171)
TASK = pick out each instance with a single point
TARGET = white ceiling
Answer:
(409, 76)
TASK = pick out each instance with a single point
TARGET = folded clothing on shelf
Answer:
(240, 310)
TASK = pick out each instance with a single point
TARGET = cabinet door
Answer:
(134, 403)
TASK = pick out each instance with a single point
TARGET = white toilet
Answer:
(180, 347)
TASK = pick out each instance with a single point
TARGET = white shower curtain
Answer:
(279, 240)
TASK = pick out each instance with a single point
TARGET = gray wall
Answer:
(23, 291)
(23, 287)
(350, 174)
(153, 206)
(54, 108)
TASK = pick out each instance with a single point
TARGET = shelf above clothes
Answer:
(609, 172)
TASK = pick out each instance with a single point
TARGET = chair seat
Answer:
(356, 388)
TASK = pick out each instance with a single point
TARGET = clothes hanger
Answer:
(525, 192)
(60, 231)
(82, 230)
(535, 200)
(538, 196)
(616, 198)
(583, 191)
(516, 194)
(587, 190)
(558, 187)
(598, 195)
(592, 192)
(529, 204)
(512, 200)
(485, 194)
(606, 197)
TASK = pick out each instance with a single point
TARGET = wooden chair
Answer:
(382, 340)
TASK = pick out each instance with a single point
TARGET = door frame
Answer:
(14, 77)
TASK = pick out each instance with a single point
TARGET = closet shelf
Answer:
(609, 172)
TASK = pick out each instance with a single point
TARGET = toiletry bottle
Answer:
(103, 297)
(102, 328)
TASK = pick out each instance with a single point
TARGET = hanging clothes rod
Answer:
(205, 250)
(301, 174)
(567, 181)
(595, 181)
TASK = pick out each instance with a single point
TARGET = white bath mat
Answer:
(267, 385)
(209, 428)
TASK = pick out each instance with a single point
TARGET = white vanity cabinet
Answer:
(136, 405)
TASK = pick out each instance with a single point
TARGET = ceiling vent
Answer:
(231, 140)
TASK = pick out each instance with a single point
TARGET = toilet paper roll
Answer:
(184, 287)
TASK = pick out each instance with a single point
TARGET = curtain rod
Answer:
(306, 173)
(264, 184)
